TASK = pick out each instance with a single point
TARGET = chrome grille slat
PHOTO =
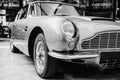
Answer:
(103, 41)
(108, 40)
(90, 44)
(99, 41)
(116, 40)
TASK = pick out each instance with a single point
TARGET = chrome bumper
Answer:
(78, 55)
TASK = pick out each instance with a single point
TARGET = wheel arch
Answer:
(35, 31)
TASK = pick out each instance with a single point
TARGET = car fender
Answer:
(52, 31)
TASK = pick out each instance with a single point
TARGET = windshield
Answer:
(59, 9)
(98, 8)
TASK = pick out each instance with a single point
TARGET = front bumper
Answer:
(74, 55)
(101, 60)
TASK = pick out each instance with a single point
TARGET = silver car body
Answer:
(94, 35)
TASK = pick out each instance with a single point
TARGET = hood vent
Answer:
(106, 19)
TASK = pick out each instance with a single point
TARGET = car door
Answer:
(20, 28)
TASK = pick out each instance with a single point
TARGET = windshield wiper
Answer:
(57, 8)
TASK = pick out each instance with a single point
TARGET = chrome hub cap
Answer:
(40, 56)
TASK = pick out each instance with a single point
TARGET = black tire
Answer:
(13, 48)
(49, 64)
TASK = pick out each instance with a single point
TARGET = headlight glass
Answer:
(68, 29)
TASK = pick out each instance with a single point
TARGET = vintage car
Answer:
(53, 31)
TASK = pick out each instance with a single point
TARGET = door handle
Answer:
(25, 28)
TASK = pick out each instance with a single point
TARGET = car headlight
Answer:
(68, 29)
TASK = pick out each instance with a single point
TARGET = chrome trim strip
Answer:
(103, 32)
(69, 56)
(102, 50)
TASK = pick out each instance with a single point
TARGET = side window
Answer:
(23, 13)
(32, 10)
(38, 10)
(17, 16)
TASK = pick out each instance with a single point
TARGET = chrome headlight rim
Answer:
(71, 24)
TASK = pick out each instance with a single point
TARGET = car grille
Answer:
(102, 41)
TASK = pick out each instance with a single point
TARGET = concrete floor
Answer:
(15, 66)
(20, 67)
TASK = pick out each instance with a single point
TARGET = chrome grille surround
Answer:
(102, 41)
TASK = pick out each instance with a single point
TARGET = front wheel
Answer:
(45, 65)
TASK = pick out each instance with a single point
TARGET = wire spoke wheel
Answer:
(45, 65)
(40, 56)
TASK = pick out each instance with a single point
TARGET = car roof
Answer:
(55, 2)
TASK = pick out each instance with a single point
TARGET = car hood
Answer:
(89, 26)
